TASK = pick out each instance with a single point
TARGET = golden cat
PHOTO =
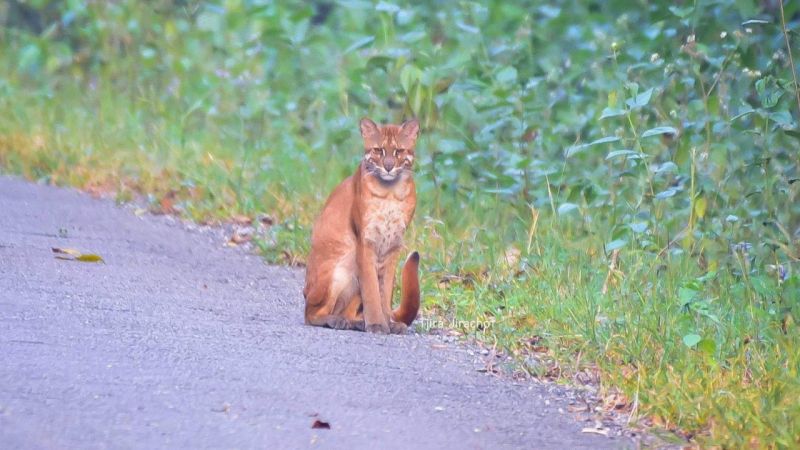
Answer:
(357, 238)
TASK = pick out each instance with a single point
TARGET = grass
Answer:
(669, 268)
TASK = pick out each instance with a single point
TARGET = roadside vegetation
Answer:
(614, 185)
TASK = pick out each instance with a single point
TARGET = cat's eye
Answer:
(399, 151)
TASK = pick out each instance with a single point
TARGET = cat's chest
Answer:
(385, 225)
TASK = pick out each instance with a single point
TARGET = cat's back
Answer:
(333, 223)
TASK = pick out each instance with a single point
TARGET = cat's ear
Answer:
(368, 129)
(410, 129)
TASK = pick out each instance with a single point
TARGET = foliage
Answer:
(554, 137)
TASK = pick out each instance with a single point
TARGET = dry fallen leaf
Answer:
(511, 256)
(266, 219)
(240, 236)
(226, 408)
(578, 408)
(90, 257)
(601, 431)
(167, 206)
(66, 251)
(70, 254)
(241, 219)
(319, 424)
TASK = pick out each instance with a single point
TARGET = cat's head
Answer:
(389, 149)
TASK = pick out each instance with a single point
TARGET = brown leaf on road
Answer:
(578, 408)
(241, 219)
(240, 236)
(66, 251)
(319, 424)
(601, 431)
(167, 206)
(266, 219)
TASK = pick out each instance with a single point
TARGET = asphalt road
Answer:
(177, 342)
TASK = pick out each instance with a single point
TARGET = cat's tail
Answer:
(409, 291)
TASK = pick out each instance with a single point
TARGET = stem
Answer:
(550, 195)
(692, 196)
(791, 60)
(641, 152)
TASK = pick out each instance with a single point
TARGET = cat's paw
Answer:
(398, 327)
(358, 325)
(380, 328)
(338, 323)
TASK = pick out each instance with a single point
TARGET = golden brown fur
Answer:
(357, 239)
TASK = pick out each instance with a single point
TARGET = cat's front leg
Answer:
(374, 319)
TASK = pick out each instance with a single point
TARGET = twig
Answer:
(673, 241)
(532, 229)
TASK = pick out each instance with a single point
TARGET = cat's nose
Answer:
(388, 163)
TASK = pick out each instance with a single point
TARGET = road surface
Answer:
(177, 342)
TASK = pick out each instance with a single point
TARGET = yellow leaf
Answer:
(700, 207)
(612, 99)
(90, 257)
(70, 254)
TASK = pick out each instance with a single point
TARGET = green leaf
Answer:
(416, 102)
(615, 244)
(579, 148)
(686, 294)
(148, 53)
(690, 340)
(763, 286)
(638, 227)
(768, 92)
(379, 61)
(659, 130)
(413, 36)
(630, 154)
(793, 133)
(409, 76)
(362, 42)
(667, 167)
(611, 112)
(782, 118)
(30, 56)
(682, 12)
(566, 208)
(451, 146)
(640, 100)
(209, 21)
(706, 346)
(667, 193)
(746, 110)
(755, 22)
(387, 7)
(468, 28)
(507, 75)
(603, 140)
